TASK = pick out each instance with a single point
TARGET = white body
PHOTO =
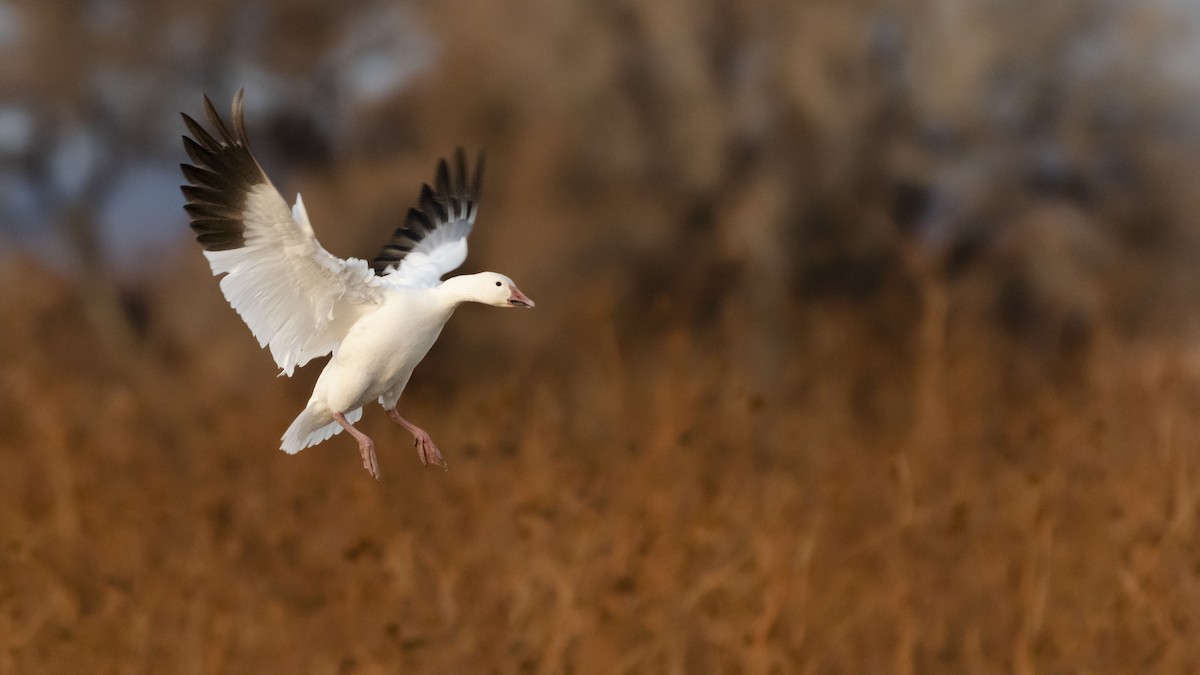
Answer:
(374, 362)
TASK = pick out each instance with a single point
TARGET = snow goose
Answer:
(377, 320)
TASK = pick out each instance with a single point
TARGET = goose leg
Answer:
(366, 446)
(426, 450)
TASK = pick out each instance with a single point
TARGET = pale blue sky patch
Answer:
(12, 26)
(16, 130)
(142, 213)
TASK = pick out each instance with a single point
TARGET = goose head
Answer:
(491, 288)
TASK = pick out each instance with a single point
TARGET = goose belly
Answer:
(377, 357)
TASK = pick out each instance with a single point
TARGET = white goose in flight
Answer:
(377, 320)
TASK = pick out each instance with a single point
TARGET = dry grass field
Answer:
(626, 494)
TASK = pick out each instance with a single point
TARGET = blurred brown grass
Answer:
(623, 497)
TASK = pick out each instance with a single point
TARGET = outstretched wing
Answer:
(433, 239)
(293, 294)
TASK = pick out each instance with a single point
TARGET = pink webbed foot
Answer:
(426, 450)
(370, 461)
(366, 447)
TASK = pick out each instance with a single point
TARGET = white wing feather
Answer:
(426, 264)
(295, 296)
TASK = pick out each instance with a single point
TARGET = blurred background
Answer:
(866, 341)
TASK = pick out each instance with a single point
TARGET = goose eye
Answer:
(498, 283)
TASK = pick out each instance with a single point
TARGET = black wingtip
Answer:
(451, 197)
(222, 174)
(214, 120)
(477, 180)
(443, 178)
(236, 112)
(460, 168)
